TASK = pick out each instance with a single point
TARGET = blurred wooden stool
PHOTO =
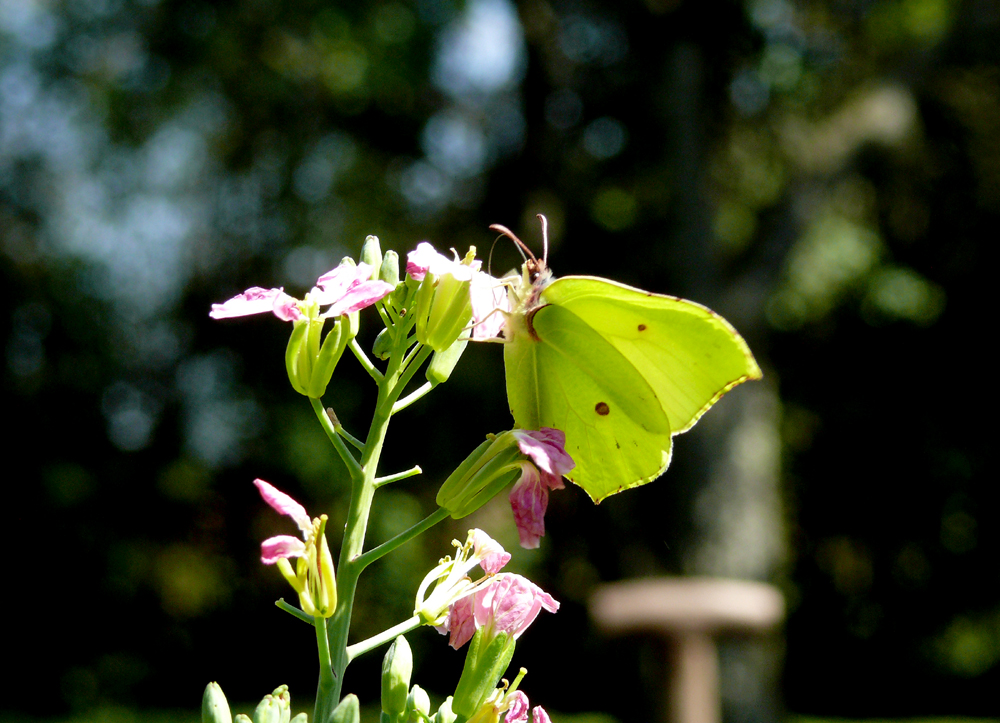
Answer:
(689, 613)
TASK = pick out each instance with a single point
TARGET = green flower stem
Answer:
(412, 397)
(345, 454)
(413, 363)
(326, 701)
(294, 611)
(405, 536)
(411, 472)
(362, 492)
(365, 361)
(354, 441)
(385, 636)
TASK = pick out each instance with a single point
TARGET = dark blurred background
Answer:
(825, 173)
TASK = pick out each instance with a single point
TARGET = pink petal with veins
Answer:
(256, 300)
(285, 505)
(489, 301)
(358, 297)
(547, 448)
(279, 547)
(529, 498)
(538, 715)
(518, 710)
(461, 622)
(492, 555)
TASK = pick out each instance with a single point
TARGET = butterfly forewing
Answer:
(688, 354)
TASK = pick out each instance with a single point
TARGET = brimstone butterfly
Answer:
(618, 369)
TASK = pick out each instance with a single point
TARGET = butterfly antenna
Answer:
(510, 234)
(545, 238)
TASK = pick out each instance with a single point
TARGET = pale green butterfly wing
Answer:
(619, 370)
(569, 377)
(690, 355)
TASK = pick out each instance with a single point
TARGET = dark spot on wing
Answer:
(602, 409)
(642, 327)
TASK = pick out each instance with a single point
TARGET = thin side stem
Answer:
(294, 611)
(345, 454)
(412, 397)
(385, 636)
(389, 479)
(365, 361)
(403, 537)
(355, 442)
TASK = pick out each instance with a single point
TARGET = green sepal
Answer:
(293, 354)
(449, 494)
(482, 671)
(300, 718)
(329, 354)
(214, 706)
(396, 669)
(480, 477)
(444, 309)
(348, 711)
(443, 362)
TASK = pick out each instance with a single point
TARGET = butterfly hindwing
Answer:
(566, 375)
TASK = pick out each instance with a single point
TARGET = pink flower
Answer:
(508, 604)
(346, 289)
(256, 300)
(529, 497)
(489, 303)
(450, 579)
(488, 294)
(284, 546)
(490, 554)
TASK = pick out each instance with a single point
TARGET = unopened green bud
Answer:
(484, 666)
(243, 718)
(267, 711)
(214, 706)
(300, 718)
(417, 703)
(309, 363)
(444, 362)
(389, 270)
(397, 665)
(445, 714)
(349, 711)
(371, 254)
(382, 347)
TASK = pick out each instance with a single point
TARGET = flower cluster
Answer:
(346, 289)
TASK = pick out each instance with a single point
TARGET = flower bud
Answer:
(444, 362)
(214, 706)
(485, 664)
(382, 347)
(388, 271)
(371, 254)
(443, 308)
(445, 714)
(269, 710)
(348, 711)
(300, 718)
(396, 668)
(417, 703)
(243, 718)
